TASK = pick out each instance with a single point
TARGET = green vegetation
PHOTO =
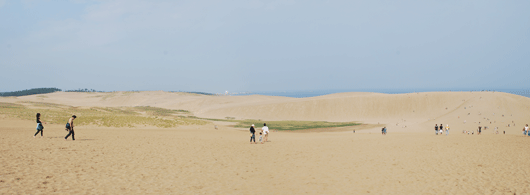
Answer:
(5, 105)
(294, 125)
(43, 104)
(51, 90)
(155, 111)
(140, 116)
(82, 90)
(107, 117)
(29, 92)
(287, 125)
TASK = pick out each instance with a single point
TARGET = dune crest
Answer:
(420, 110)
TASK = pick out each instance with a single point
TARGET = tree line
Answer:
(82, 90)
(29, 92)
(35, 91)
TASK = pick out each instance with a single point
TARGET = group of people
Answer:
(479, 131)
(440, 129)
(69, 127)
(480, 128)
(263, 134)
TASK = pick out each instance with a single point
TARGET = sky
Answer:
(251, 45)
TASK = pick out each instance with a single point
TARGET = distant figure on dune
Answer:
(265, 132)
(526, 130)
(382, 131)
(252, 134)
(40, 128)
(441, 129)
(479, 130)
(70, 127)
(446, 130)
(436, 128)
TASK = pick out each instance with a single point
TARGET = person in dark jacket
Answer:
(252, 134)
(40, 127)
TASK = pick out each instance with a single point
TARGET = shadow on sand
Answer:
(71, 139)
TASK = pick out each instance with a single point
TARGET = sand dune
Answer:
(202, 160)
(416, 111)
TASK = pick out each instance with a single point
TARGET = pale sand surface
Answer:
(202, 160)
(406, 109)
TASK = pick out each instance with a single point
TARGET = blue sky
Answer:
(241, 45)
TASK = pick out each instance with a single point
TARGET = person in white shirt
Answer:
(446, 130)
(265, 132)
(526, 129)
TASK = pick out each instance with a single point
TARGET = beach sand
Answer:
(202, 160)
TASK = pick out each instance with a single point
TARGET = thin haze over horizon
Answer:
(253, 45)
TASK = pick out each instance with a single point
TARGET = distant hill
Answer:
(194, 92)
(29, 92)
(51, 90)
(82, 90)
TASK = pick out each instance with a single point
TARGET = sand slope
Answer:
(201, 160)
(415, 111)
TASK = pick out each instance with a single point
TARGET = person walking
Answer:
(446, 130)
(479, 130)
(441, 129)
(384, 130)
(70, 127)
(436, 128)
(526, 129)
(265, 132)
(252, 134)
(40, 127)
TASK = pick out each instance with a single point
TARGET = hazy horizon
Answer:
(238, 46)
(313, 93)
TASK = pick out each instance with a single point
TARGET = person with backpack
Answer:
(40, 128)
(252, 134)
(436, 128)
(70, 127)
